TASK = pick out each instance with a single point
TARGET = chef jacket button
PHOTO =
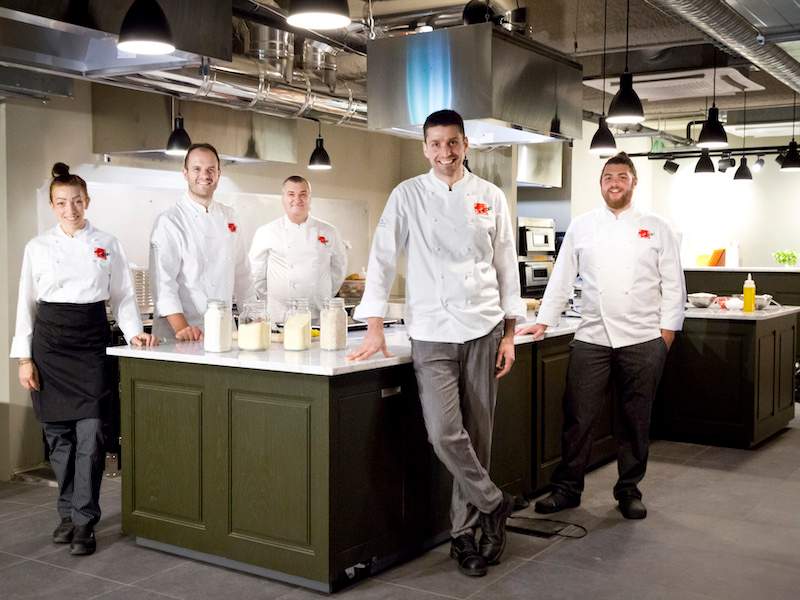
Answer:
(438, 249)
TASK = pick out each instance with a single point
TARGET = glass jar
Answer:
(217, 327)
(297, 327)
(254, 327)
(333, 325)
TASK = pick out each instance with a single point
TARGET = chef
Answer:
(196, 252)
(68, 274)
(462, 300)
(632, 304)
(297, 255)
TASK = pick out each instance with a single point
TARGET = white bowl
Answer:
(701, 299)
(762, 300)
(734, 304)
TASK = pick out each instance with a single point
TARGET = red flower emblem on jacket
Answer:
(232, 227)
(644, 233)
(101, 253)
(481, 208)
(323, 240)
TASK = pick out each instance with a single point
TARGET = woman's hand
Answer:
(29, 376)
(144, 339)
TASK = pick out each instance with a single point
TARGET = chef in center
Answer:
(297, 255)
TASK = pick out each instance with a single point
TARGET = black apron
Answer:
(69, 351)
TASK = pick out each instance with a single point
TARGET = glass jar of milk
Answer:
(333, 325)
(217, 326)
(254, 327)
(297, 327)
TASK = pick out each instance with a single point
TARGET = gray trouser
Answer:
(76, 455)
(458, 391)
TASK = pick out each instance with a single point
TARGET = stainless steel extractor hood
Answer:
(509, 89)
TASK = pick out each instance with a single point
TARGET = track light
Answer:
(791, 161)
(758, 165)
(145, 30)
(725, 162)
(704, 163)
(319, 161)
(671, 166)
(743, 172)
(318, 14)
(626, 107)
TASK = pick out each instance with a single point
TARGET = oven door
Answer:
(538, 239)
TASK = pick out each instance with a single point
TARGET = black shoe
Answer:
(493, 530)
(521, 503)
(555, 502)
(83, 541)
(470, 563)
(632, 508)
(63, 533)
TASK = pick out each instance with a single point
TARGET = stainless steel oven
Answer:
(536, 236)
(534, 275)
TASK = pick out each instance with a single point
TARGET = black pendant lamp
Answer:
(145, 30)
(603, 141)
(704, 163)
(179, 140)
(743, 172)
(318, 14)
(319, 161)
(713, 135)
(791, 162)
(625, 107)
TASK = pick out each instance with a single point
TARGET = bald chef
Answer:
(196, 252)
(297, 255)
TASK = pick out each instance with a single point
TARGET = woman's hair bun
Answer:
(60, 170)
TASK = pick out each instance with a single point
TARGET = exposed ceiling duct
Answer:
(722, 23)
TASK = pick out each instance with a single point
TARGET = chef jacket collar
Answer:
(626, 215)
(196, 206)
(287, 223)
(82, 232)
(438, 184)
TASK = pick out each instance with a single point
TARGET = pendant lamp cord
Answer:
(744, 124)
(627, 30)
(714, 82)
(605, 23)
(794, 115)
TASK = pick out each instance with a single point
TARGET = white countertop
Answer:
(310, 362)
(746, 269)
(721, 313)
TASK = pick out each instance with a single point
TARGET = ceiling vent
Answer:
(654, 87)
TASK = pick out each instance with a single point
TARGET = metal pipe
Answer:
(696, 153)
(722, 23)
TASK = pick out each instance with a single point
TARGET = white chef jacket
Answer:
(633, 283)
(59, 268)
(297, 261)
(462, 274)
(196, 255)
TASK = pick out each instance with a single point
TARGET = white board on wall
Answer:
(128, 210)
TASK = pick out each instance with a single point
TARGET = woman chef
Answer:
(68, 273)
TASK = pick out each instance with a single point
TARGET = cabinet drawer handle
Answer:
(391, 391)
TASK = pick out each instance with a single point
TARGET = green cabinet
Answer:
(728, 382)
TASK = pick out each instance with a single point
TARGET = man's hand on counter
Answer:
(144, 339)
(537, 330)
(189, 334)
(373, 341)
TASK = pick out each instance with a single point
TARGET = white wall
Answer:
(366, 167)
(713, 211)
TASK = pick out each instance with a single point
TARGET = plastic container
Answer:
(217, 327)
(749, 294)
(254, 327)
(297, 327)
(333, 325)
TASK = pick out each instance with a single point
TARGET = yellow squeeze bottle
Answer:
(749, 291)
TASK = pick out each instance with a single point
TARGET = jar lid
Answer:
(213, 303)
(334, 302)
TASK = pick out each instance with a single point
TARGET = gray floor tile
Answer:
(28, 493)
(117, 558)
(29, 536)
(200, 581)
(35, 580)
(437, 573)
(7, 560)
(130, 593)
(367, 590)
(15, 510)
(675, 450)
(721, 569)
(560, 582)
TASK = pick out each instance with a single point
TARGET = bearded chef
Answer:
(196, 252)
(297, 255)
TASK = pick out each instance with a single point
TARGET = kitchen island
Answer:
(303, 466)
(729, 377)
